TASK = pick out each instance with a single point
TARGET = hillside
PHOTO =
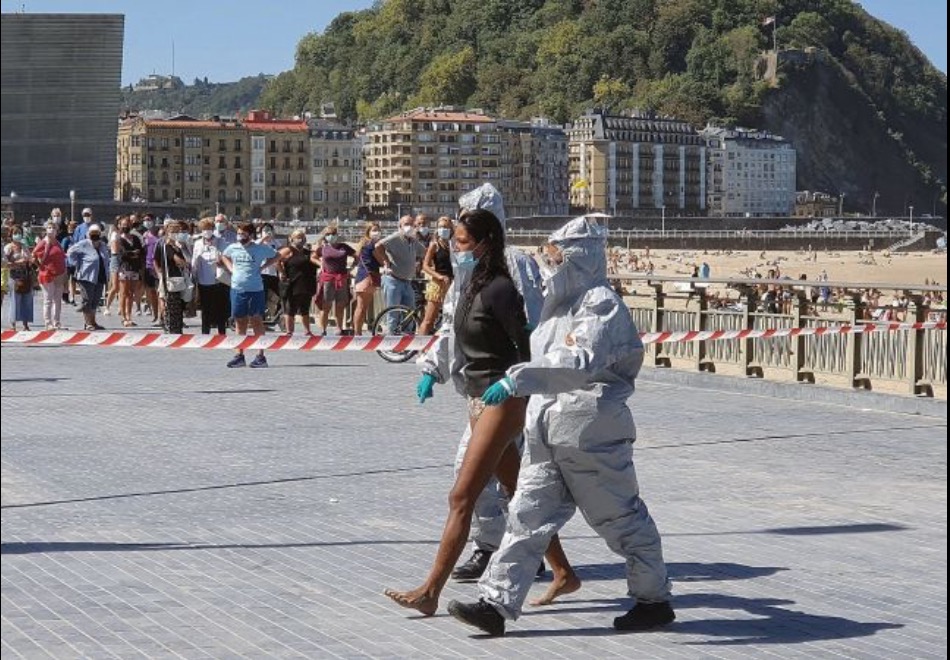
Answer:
(199, 99)
(692, 58)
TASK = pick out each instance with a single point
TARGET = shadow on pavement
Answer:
(38, 379)
(773, 623)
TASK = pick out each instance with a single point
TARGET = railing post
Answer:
(802, 374)
(700, 323)
(659, 300)
(750, 298)
(853, 357)
(916, 313)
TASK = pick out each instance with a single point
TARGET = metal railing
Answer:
(913, 360)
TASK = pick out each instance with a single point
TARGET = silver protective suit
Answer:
(579, 431)
(440, 361)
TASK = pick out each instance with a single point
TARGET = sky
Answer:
(226, 41)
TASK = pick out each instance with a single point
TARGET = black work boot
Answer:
(482, 615)
(471, 570)
(645, 616)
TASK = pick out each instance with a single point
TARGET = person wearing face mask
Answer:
(579, 433)
(131, 267)
(51, 258)
(223, 229)
(18, 259)
(150, 240)
(213, 295)
(334, 285)
(399, 254)
(90, 258)
(368, 277)
(71, 288)
(440, 364)
(490, 336)
(437, 264)
(172, 260)
(269, 274)
(298, 273)
(423, 232)
(244, 260)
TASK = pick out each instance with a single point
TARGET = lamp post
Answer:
(874, 204)
(663, 220)
(72, 206)
(841, 205)
(912, 217)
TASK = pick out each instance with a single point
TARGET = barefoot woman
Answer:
(490, 334)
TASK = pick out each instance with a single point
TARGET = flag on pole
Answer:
(768, 20)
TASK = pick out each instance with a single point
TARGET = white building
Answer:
(751, 173)
(336, 176)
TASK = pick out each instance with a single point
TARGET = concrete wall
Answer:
(59, 103)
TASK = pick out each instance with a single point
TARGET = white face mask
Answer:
(374, 234)
(207, 233)
(407, 230)
(423, 231)
(444, 233)
(267, 233)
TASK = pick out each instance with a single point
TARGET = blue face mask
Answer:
(464, 260)
(444, 233)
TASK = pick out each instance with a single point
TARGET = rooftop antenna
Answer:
(173, 58)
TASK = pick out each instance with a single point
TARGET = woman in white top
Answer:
(213, 296)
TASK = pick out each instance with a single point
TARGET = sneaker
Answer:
(482, 615)
(645, 616)
(236, 361)
(260, 362)
(471, 570)
(107, 312)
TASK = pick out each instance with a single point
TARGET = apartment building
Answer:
(336, 169)
(534, 168)
(182, 159)
(423, 160)
(751, 173)
(280, 166)
(637, 164)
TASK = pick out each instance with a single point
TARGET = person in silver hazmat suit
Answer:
(579, 432)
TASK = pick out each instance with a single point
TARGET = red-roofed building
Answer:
(280, 166)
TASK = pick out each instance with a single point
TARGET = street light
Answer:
(874, 204)
(912, 217)
(663, 220)
(72, 205)
(841, 205)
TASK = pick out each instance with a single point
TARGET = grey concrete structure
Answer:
(59, 104)
(156, 504)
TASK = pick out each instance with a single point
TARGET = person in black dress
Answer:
(298, 284)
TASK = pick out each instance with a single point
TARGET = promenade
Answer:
(156, 504)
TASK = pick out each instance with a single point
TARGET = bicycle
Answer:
(403, 320)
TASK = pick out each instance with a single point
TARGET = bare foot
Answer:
(417, 599)
(558, 587)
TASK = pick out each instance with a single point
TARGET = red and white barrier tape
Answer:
(397, 343)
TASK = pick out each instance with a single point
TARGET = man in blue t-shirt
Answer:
(244, 260)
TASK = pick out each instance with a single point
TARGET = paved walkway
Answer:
(156, 504)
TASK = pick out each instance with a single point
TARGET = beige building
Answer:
(750, 173)
(279, 167)
(336, 173)
(423, 160)
(199, 162)
(258, 167)
(636, 165)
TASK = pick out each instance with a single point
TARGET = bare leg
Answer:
(289, 323)
(491, 436)
(240, 327)
(339, 312)
(359, 316)
(432, 309)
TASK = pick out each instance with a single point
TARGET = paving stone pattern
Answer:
(156, 504)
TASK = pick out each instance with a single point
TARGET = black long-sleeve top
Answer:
(490, 334)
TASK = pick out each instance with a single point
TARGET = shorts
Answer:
(334, 295)
(151, 279)
(364, 285)
(129, 275)
(115, 261)
(90, 293)
(435, 291)
(298, 303)
(246, 304)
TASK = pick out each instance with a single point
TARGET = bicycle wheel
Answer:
(396, 320)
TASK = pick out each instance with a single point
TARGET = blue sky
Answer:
(228, 40)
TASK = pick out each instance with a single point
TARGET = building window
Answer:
(257, 143)
(237, 144)
(222, 145)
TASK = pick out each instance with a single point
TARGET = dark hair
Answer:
(487, 230)
(247, 228)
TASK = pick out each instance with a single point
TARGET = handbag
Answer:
(178, 284)
(23, 284)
